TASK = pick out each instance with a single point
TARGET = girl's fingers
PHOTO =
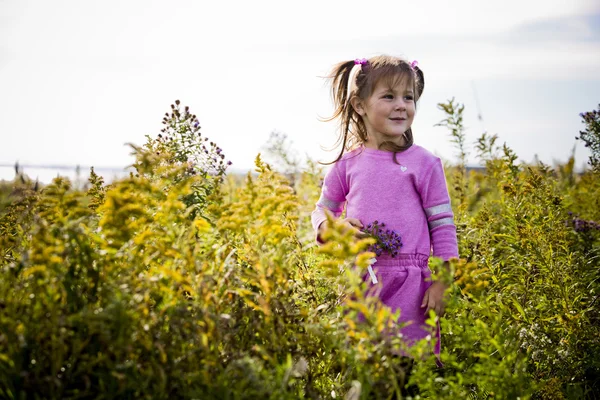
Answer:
(425, 300)
(354, 222)
(432, 305)
(360, 234)
(440, 309)
(356, 225)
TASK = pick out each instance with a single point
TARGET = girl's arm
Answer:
(332, 200)
(442, 231)
(319, 214)
(440, 218)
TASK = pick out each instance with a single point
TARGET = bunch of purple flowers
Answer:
(386, 239)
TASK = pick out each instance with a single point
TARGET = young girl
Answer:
(381, 177)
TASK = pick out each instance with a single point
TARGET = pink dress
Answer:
(411, 198)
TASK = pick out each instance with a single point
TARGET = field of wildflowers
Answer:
(181, 281)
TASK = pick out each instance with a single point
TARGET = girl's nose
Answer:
(400, 106)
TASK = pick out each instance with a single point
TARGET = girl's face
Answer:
(388, 112)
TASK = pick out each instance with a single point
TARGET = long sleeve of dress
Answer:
(332, 199)
(438, 210)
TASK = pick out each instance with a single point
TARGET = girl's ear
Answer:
(358, 105)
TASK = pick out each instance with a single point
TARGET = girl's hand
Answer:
(351, 223)
(356, 226)
(434, 298)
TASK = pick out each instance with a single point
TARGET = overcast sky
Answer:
(80, 78)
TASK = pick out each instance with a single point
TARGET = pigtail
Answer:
(419, 82)
(340, 78)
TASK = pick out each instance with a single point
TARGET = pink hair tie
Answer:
(361, 61)
(414, 64)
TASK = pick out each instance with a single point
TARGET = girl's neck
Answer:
(372, 144)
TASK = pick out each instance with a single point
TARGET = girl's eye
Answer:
(408, 97)
(388, 96)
